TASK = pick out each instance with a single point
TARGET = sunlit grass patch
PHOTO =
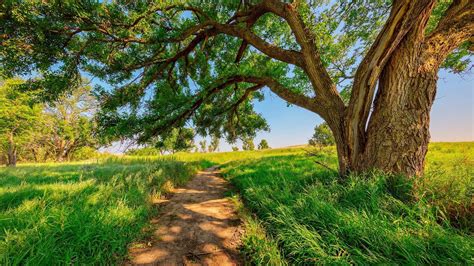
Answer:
(316, 218)
(81, 213)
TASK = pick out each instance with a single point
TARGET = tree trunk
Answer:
(12, 152)
(35, 155)
(397, 134)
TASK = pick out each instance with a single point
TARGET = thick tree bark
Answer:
(395, 135)
(398, 132)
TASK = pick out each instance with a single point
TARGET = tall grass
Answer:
(296, 212)
(81, 213)
(375, 219)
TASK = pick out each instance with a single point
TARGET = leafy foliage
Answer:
(322, 136)
(167, 69)
(19, 118)
(203, 145)
(248, 145)
(40, 132)
(179, 139)
(69, 120)
(214, 144)
(263, 145)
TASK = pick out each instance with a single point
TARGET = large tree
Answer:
(368, 68)
(69, 123)
(19, 118)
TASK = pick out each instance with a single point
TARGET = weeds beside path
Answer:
(197, 225)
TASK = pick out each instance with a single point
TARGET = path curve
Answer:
(198, 225)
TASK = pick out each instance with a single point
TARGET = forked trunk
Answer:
(397, 134)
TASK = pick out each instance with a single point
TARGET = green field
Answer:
(80, 213)
(295, 211)
(311, 217)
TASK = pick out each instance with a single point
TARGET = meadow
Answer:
(295, 211)
(301, 213)
(84, 212)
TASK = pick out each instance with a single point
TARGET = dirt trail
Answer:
(198, 225)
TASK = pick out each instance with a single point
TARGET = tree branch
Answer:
(312, 104)
(456, 27)
(313, 66)
(277, 88)
(271, 50)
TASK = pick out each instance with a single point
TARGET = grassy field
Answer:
(81, 213)
(295, 211)
(312, 218)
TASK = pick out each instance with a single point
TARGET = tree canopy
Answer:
(263, 145)
(181, 139)
(247, 144)
(19, 116)
(322, 136)
(34, 131)
(170, 63)
(177, 64)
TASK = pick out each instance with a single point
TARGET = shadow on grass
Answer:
(79, 214)
(363, 220)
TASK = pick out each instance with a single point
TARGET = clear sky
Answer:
(452, 116)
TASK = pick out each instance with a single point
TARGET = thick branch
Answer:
(403, 17)
(322, 83)
(456, 27)
(271, 50)
(312, 104)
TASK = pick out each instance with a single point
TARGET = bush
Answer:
(85, 153)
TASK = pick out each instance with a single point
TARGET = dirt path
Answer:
(197, 226)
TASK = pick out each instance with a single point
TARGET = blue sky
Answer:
(452, 116)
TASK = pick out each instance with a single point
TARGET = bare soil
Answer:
(198, 225)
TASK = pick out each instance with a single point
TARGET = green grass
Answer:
(316, 219)
(294, 211)
(81, 213)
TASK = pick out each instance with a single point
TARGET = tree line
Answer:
(178, 142)
(33, 131)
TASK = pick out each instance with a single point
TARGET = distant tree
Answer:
(214, 144)
(322, 136)
(70, 122)
(178, 139)
(263, 145)
(203, 145)
(248, 145)
(84, 153)
(19, 117)
(235, 148)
